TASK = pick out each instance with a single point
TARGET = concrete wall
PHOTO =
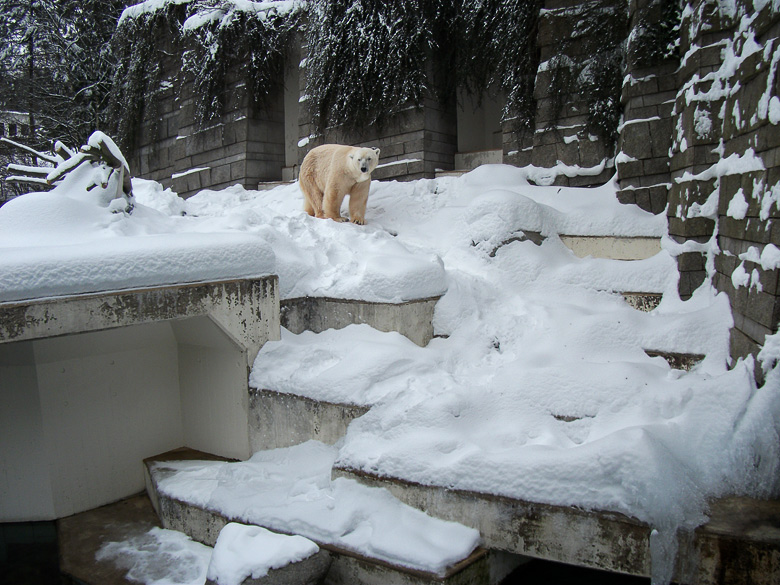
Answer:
(212, 375)
(98, 403)
(244, 146)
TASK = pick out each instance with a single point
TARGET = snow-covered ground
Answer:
(538, 388)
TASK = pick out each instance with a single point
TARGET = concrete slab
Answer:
(247, 309)
(279, 420)
(172, 359)
(412, 319)
(740, 545)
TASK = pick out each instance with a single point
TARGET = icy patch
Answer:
(159, 557)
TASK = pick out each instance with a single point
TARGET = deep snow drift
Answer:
(539, 387)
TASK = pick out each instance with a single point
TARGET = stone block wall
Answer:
(746, 235)
(415, 142)
(642, 162)
(561, 133)
(244, 146)
(241, 147)
(725, 163)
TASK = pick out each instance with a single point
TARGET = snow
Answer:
(207, 14)
(290, 490)
(738, 206)
(159, 557)
(538, 386)
(243, 552)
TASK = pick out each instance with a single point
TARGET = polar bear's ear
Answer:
(352, 156)
(376, 150)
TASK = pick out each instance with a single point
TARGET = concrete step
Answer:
(203, 524)
(643, 301)
(613, 247)
(268, 185)
(82, 535)
(740, 544)
(453, 173)
(677, 360)
(412, 319)
(608, 247)
(277, 419)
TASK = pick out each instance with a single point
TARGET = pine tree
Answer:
(55, 67)
(55, 64)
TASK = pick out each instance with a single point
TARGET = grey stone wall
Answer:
(648, 99)
(725, 162)
(244, 146)
(415, 143)
(561, 123)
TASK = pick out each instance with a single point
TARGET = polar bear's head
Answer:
(364, 160)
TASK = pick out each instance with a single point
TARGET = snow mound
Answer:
(58, 243)
(243, 552)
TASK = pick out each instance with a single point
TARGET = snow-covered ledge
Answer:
(95, 383)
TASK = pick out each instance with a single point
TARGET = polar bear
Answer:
(332, 171)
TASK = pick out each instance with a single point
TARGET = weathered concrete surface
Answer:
(172, 360)
(279, 420)
(347, 568)
(246, 309)
(608, 541)
(612, 247)
(412, 319)
(740, 545)
(309, 571)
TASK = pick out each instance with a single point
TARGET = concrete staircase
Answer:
(740, 543)
(203, 524)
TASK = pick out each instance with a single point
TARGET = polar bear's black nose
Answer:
(364, 169)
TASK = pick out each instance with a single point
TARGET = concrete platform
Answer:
(740, 545)
(412, 319)
(643, 301)
(676, 360)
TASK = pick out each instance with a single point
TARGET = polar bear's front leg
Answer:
(331, 204)
(358, 199)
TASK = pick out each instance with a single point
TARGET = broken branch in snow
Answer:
(100, 151)
(43, 155)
